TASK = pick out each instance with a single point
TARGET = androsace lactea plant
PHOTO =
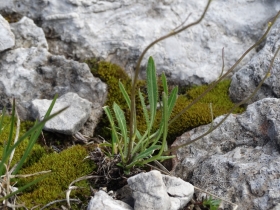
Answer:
(144, 144)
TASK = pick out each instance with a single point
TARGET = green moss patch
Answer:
(66, 167)
(199, 113)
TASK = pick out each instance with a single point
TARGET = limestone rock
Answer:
(179, 191)
(118, 31)
(239, 161)
(102, 201)
(245, 81)
(7, 38)
(153, 191)
(34, 73)
(68, 122)
(27, 34)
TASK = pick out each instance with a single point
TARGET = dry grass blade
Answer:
(70, 187)
(58, 201)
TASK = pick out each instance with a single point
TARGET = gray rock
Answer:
(240, 160)
(7, 38)
(277, 207)
(27, 34)
(118, 31)
(34, 73)
(245, 81)
(153, 191)
(179, 191)
(68, 122)
(102, 201)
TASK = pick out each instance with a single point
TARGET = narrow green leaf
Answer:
(125, 95)
(23, 188)
(28, 133)
(172, 100)
(115, 139)
(122, 125)
(33, 138)
(12, 125)
(2, 119)
(158, 158)
(165, 119)
(143, 154)
(164, 83)
(144, 107)
(152, 89)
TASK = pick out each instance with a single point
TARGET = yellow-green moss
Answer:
(111, 74)
(199, 114)
(37, 151)
(66, 167)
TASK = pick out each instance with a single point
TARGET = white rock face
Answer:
(34, 73)
(102, 201)
(30, 72)
(27, 34)
(7, 38)
(159, 192)
(68, 122)
(246, 80)
(240, 160)
(119, 31)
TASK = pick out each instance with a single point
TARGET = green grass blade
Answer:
(172, 100)
(2, 119)
(28, 133)
(164, 83)
(158, 158)
(145, 111)
(152, 89)
(143, 155)
(122, 125)
(33, 138)
(115, 139)
(7, 145)
(23, 188)
(12, 125)
(125, 95)
(165, 119)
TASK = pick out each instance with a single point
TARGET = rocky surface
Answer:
(245, 81)
(144, 191)
(29, 72)
(240, 160)
(27, 34)
(102, 201)
(7, 38)
(153, 190)
(118, 31)
(69, 121)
